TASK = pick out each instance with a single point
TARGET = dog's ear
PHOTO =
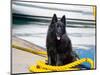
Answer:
(63, 19)
(54, 19)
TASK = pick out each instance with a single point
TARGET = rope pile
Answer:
(42, 67)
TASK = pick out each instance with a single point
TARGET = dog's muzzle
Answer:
(58, 36)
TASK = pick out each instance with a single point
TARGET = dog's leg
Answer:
(52, 57)
(58, 60)
(49, 59)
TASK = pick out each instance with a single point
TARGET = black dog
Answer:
(59, 47)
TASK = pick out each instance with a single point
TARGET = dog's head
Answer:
(59, 26)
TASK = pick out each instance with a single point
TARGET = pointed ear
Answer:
(54, 19)
(63, 20)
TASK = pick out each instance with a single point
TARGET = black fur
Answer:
(59, 47)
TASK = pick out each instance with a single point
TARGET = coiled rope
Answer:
(42, 67)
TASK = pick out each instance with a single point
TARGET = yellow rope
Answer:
(29, 50)
(36, 69)
(42, 67)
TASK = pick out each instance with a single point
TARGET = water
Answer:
(83, 39)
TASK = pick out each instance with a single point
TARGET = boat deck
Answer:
(21, 60)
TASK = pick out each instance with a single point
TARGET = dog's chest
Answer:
(58, 42)
(60, 46)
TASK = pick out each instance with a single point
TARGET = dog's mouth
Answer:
(58, 38)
